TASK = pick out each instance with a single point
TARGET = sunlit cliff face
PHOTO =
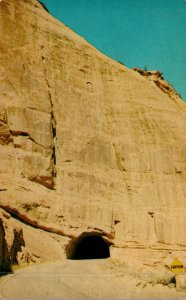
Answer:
(87, 145)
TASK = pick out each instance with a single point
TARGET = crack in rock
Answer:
(53, 122)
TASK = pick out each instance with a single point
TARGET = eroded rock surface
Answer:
(181, 282)
(11, 241)
(158, 79)
(87, 145)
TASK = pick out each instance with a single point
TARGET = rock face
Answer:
(11, 241)
(181, 282)
(87, 145)
(158, 79)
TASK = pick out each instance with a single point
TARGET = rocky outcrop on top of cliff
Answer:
(87, 145)
(158, 79)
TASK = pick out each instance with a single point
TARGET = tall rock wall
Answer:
(87, 145)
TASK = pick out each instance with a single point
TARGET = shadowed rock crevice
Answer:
(10, 244)
(24, 134)
(4, 261)
(18, 242)
(53, 157)
(53, 121)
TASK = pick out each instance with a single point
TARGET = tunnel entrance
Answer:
(88, 246)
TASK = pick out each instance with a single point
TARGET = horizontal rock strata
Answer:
(87, 145)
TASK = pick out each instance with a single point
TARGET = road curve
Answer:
(75, 279)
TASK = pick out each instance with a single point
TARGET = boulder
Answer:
(181, 282)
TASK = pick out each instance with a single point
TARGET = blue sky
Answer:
(139, 33)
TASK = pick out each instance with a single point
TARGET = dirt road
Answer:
(80, 279)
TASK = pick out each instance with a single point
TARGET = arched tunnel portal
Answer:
(88, 246)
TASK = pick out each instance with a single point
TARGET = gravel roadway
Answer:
(77, 279)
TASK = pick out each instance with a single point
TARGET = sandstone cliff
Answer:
(86, 144)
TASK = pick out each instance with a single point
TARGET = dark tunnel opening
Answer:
(88, 247)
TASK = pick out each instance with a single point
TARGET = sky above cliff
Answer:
(140, 33)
